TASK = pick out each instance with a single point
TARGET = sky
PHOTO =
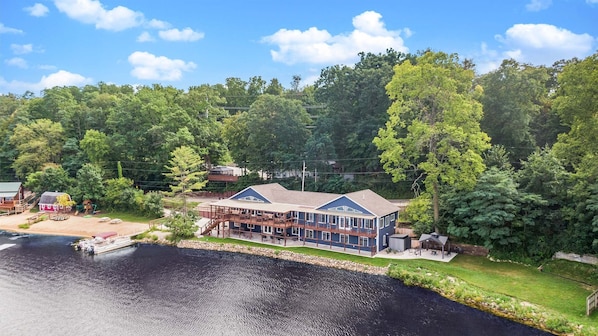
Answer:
(183, 43)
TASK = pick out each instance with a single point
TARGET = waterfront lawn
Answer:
(126, 216)
(554, 292)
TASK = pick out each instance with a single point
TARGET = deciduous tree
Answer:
(433, 125)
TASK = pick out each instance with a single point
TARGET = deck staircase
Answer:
(211, 225)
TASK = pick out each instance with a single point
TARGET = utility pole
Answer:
(303, 177)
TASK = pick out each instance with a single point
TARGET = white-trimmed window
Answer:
(309, 217)
(309, 234)
(250, 226)
(278, 230)
(295, 231)
(356, 222)
(364, 241)
(341, 222)
(368, 224)
(333, 219)
(327, 236)
(387, 221)
(236, 224)
(343, 238)
(267, 229)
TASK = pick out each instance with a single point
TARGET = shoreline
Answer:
(75, 230)
(284, 255)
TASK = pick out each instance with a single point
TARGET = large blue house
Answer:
(361, 221)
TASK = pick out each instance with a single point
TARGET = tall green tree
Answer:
(270, 136)
(577, 105)
(51, 178)
(187, 172)
(433, 125)
(89, 184)
(37, 144)
(514, 94)
(356, 103)
(495, 213)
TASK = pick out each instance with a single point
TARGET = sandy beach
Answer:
(75, 226)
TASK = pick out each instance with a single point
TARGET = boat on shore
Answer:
(103, 242)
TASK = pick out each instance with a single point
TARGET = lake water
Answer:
(46, 288)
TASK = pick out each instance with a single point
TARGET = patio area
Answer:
(293, 241)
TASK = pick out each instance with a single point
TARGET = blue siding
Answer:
(385, 232)
(346, 202)
(250, 193)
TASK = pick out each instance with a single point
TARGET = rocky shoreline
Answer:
(284, 255)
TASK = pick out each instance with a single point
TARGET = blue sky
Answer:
(192, 42)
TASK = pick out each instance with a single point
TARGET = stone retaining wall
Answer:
(285, 255)
(586, 259)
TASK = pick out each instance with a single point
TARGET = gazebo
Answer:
(433, 237)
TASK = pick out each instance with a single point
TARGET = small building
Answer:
(361, 221)
(222, 174)
(399, 242)
(11, 197)
(48, 201)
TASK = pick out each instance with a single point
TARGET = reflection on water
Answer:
(46, 288)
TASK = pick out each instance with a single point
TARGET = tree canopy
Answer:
(433, 125)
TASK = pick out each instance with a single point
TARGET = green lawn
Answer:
(552, 291)
(128, 217)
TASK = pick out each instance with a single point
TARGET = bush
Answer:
(153, 205)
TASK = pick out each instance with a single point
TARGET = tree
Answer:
(494, 214)
(356, 96)
(514, 95)
(95, 144)
(120, 195)
(577, 106)
(89, 183)
(37, 143)
(51, 178)
(186, 171)
(271, 136)
(433, 125)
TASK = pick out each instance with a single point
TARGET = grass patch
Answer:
(127, 217)
(580, 272)
(564, 298)
(24, 226)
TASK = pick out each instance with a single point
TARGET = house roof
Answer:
(9, 189)
(49, 197)
(434, 237)
(283, 200)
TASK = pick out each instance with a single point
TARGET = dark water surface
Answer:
(46, 288)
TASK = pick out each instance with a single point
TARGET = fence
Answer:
(591, 302)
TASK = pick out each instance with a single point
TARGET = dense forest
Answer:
(504, 159)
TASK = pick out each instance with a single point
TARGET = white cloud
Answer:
(145, 37)
(150, 67)
(319, 46)
(37, 10)
(187, 35)
(538, 5)
(157, 24)
(93, 12)
(18, 62)
(59, 78)
(21, 49)
(537, 44)
(8, 30)
(592, 1)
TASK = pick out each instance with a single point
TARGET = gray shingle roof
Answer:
(285, 198)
